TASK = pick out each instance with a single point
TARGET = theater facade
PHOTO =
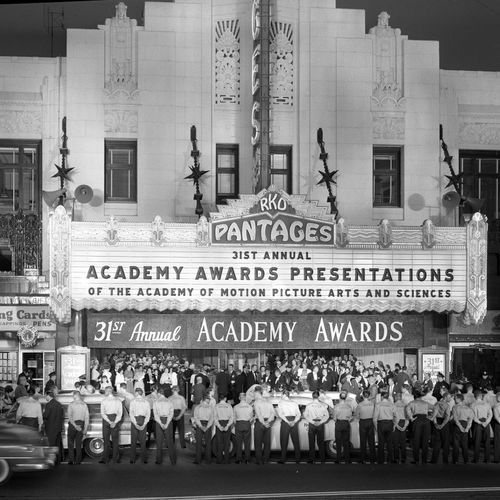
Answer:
(267, 273)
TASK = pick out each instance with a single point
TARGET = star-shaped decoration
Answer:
(327, 177)
(62, 172)
(448, 159)
(454, 179)
(196, 174)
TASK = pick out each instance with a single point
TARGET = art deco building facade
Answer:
(131, 94)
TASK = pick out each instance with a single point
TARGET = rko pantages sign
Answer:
(267, 252)
(225, 331)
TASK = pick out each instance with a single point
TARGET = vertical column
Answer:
(260, 90)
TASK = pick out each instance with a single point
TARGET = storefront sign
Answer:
(267, 331)
(273, 220)
(15, 317)
(72, 362)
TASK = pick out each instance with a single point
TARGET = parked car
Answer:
(302, 399)
(93, 443)
(23, 449)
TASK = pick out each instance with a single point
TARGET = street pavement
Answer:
(186, 480)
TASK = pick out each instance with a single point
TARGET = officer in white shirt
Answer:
(289, 413)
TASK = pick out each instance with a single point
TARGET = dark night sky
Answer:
(468, 30)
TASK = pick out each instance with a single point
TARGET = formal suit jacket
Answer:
(326, 383)
(313, 384)
(251, 380)
(240, 385)
(223, 382)
(53, 418)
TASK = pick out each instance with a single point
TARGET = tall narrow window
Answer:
(19, 176)
(386, 177)
(227, 166)
(281, 167)
(121, 171)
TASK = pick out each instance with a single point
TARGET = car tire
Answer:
(331, 449)
(232, 446)
(94, 448)
(5, 471)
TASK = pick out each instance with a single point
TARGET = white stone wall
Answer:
(337, 68)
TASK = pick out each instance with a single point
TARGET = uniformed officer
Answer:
(289, 413)
(78, 422)
(180, 407)
(383, 420)
(203, 418)
(29, 411)
(223, 417)
(151, 398)
(163, 412)
(264, 418)
(421, 413)
(400, 425)
(343, 414)
(481, 431)
(463, 417)
(316, 414)
(111, 413)
(140, 414)
(364, 413)
(243, 418)
(496, 428)
(441, 429)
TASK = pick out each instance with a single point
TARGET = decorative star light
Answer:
(196, 174)
(454, 180)
(62, 172)
(327, 177)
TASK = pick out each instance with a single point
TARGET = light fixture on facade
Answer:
(196, 173)
(327, 177)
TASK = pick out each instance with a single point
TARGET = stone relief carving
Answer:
(120, 120)
(60, 249)
(387, 65)
(479, 132)
(428, 234)
(388, 127)
(477, 251)
(25, 120)
(120, 55)
(158, 231)
(385, 234)
(227, 62)
(202, 232)
(282, 61)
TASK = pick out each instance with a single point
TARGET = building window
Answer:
(280, 167)
(227, 167)
(386, 177)
(8, 366)
(121, 171)
(19, 176)
(481, 174)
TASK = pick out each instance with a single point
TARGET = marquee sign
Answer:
(273, 331)
(273, 220)
(298, 259)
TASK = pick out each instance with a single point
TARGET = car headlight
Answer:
(190, 438)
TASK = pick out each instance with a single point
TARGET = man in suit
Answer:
(53, 420)
(252, 377)
(313, 379)
(240, 384)
(223, 383)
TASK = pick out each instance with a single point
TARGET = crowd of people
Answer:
(392, 407)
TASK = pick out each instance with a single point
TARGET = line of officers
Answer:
(446, 425)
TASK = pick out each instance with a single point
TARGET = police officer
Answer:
(342, 414)
(203, 418)
(364, 413)
(78, 422)
(463, 417)
(289, 413)
(400, 425)
(163, 412)
(441, 429)
(180, 407)
(140, 414)
(223, 417)
(243, 418)
(316, 414)
(481, 433)
(496, 428)
(111, 413)
(383, 420)
(264, 418)
(420, 412)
